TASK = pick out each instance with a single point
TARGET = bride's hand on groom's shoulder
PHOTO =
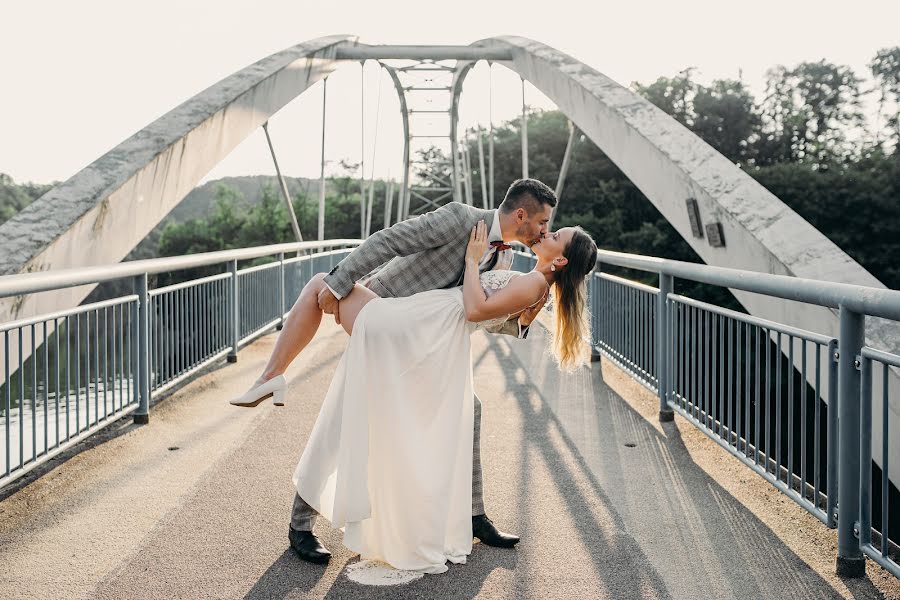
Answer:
(478, 244)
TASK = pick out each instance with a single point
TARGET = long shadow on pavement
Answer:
(654, 492)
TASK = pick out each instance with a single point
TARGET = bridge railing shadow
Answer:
(670, 515)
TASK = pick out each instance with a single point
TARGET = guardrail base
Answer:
(850, 567)
(141, 419)
(232, 358)
(666, 416)
(595, 354)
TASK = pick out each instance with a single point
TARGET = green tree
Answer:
(16, 196)
(268, 221)
(809, 111)
(673, 95)
(725, 117)
(885, 69)
(723, 114)
(855, 207)
(347, 183)
(220, 231)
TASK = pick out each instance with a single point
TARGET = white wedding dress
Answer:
(389, 458)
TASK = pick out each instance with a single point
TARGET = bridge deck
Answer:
(128, 516)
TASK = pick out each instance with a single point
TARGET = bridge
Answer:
(706, 452)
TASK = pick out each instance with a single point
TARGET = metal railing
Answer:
(865, 530)
(92, 364)
(730, 374)
(721, 379)
(625, 326)
(78, 378)
(733, 376)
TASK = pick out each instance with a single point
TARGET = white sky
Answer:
(80, 77)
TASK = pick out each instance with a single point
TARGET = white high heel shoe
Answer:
(274, 387)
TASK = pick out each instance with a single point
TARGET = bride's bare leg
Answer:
(303, 321)
(300, 326)
(358, 297)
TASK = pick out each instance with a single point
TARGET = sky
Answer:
(81, 77)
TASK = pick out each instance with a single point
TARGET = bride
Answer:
(389, 459)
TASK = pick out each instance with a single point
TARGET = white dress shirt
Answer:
(494, 235)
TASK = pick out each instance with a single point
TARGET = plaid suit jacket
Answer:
(423, 253)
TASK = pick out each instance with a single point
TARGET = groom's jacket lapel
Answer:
(423, 253)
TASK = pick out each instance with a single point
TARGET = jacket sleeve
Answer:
(512, 327)
(430, 230)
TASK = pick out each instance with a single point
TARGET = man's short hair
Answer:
(529, 194)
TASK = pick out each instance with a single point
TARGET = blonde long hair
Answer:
(571, 334)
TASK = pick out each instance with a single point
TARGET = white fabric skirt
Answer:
(389, 458)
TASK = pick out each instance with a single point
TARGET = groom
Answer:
(426, 253)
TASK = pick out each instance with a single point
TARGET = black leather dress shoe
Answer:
(308, 547)
(487, 532)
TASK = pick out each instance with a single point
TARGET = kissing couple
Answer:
(393, 458)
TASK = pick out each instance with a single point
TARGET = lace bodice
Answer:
(492, 282)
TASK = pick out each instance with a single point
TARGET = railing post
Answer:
(864, 525)
(666, 285)
(832, 444)
(850, 560)
(281, 311)
(141, 335)
(235, 316)
(597, 307)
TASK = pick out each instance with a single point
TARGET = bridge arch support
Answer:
(98, 215)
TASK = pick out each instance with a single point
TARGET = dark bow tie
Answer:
(500, 246)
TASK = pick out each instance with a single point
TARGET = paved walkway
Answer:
(609, 503)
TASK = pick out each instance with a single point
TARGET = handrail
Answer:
(877, 302)
(26, 283)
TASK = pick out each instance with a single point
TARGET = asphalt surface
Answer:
(609, 503)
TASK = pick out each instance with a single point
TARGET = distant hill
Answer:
(200, 201)
(16, 196)
(197, 204)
